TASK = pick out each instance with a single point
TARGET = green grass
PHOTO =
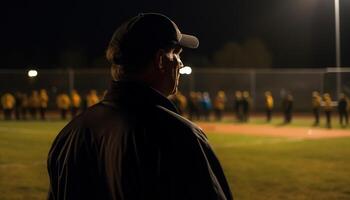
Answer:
(23, 151)
(298, 121)
(280, 168)
(257, 168)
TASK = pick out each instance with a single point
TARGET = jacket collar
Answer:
(137, 94)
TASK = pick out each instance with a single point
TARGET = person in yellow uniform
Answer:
(92, 98)
(34, 103)
(63, 104)
(316, 105)
(8, 104)
(328, 107)
(269, 103)
(219, 104)
(183, 102)
(76, 101)
(44, 99)
(180, 102)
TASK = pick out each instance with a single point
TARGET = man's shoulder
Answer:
(177, 123)
(167, 114)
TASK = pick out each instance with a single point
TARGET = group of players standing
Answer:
(20, 104)
(199, 106)
(327, 104)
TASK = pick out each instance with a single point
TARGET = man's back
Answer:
(124, 148)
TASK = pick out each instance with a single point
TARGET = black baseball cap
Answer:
(145, 33)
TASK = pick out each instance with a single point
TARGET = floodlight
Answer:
(32, 73)
(186, 70)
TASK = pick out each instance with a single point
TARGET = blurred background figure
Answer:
(269, 103)
(8, 103)
(92, 98)
(18, 105)
(287, 107)
(238, 105)
(63, 104)
(183, 102)
(328, 109)
(199, 97)
(76, 102)
(24, 106)
(343, 110)
(246, 106)
(180, 102)
(44, 99)
(193, 109)
(206, 106)
(34, 104)
(316, 106)
(219, 104)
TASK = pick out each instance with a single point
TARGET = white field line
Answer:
(260, 142)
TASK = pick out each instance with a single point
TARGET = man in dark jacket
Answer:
(126, 149)
(287, 107)
(343, 110)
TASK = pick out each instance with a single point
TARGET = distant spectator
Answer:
(238, 105)
(92, 98)
(287, 107)
(179, 101)
(18, 105)
(24, 106)
(206, 105)
(316, 105)
(193, 108)
(199, 97)
(44, 99)
(246, 106)
(34, 104)
(219, 104)
(76, 101)
(63, 104)
(269, 104)
(328, 107)
(8, 103)
(343, 110)
(183, 102)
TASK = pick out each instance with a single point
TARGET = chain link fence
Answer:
(299, 82)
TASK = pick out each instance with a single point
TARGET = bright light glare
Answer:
(186, 70)
(32, 73)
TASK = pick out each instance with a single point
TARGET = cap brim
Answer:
(189, 41)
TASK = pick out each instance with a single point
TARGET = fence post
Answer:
(322, 83)
(253, 86)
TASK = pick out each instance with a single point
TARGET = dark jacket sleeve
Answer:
(73, 168)
(188, 167)
(203, 174)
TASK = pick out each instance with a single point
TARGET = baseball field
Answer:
(262, 161)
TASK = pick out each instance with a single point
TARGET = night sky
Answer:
(45, 34)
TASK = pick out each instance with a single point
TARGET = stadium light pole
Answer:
(337, 45)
